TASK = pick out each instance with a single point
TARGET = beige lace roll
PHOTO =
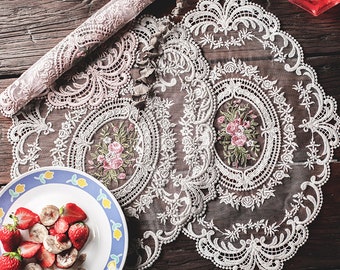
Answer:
(94, 31)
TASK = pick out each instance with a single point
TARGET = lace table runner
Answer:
(213, 126)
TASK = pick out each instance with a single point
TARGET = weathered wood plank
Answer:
(6, 159)
(32, 28)
(302, 26)
(29, 29)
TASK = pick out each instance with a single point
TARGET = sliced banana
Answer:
(33, 266)
(52, 245)
(37, 233)
(49, 215)
(66, 260)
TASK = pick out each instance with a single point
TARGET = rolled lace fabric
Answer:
(94, 31)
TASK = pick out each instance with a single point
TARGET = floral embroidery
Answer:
(237, 133)
(114, 153)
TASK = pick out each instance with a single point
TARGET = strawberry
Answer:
(61, 226)
(52, 231)
(25, 218)
(78, 234)
(45, 258)
(61, 237)
(10, 237)
(10, 261)
(28, 249)
(72, 213)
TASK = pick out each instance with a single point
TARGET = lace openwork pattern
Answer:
(230, 148)
(101, 80)
(269, 202)
(97, 29)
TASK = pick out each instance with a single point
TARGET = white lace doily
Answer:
(161, 180)
(213, 126)
(276, 134)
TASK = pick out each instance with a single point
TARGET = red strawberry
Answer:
(52, 231)
(61, 237)
(45, 258)
(10, 261)
(61, 226)
(10, 237)
(25, 218)
(78, 234)
(28, 249)
(72, 213)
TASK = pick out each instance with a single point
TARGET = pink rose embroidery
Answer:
(246, 124)
(121, 176)
(237, 133)
(239, 139)
(106, 165)
(231, 128)
(114, 154)
(112, 164)
(101, 158)
(221, 119)
(116, 163)
(234, 126)
(116, 148)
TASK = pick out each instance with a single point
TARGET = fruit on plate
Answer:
(10, 237)
(28, 249)
(54, 237)
(78, 234)
(67, 259)
(60, 226)
(54, 246)
(49, 215)
(37, 233)
(24, 218)
(45, 258)
(72, 213)
(10, 261)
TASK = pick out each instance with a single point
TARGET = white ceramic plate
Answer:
(107, 245)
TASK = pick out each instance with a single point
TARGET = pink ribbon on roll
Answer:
(94, 31)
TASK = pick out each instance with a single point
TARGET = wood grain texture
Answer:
(28, 29)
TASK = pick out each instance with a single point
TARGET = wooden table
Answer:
(29, 29)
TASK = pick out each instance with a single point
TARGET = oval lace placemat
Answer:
(276, 132)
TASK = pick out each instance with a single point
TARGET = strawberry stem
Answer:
(61, 210)
(15, 220)
(13, 254)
